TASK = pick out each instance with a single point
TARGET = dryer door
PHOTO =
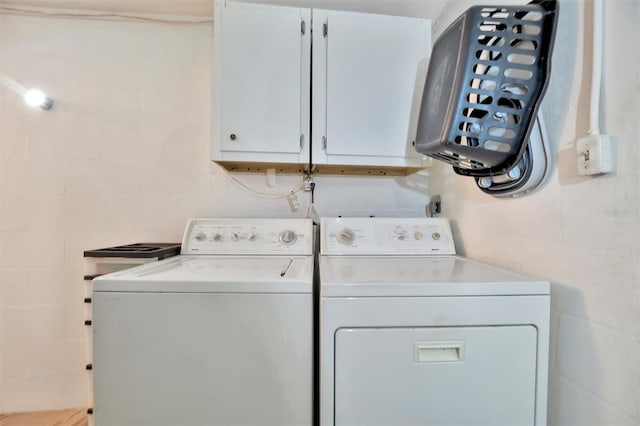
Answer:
(436, 376)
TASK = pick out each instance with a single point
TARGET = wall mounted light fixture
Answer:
(37, 98)
(33, 97)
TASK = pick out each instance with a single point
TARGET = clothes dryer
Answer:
(412, 334)
(220, 335)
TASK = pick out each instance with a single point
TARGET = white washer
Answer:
(412, 334)
(220, 335)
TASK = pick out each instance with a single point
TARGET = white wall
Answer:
(580, 233)
(123, 157)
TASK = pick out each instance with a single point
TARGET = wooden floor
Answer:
(70, 417)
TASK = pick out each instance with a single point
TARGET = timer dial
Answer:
(346, 236)
(287, 236)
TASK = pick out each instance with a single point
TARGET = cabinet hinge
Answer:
(301, 141)
(325, 29)
(303, 27)
(324, 143)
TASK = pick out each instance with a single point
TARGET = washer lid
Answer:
(379, 276)
(214, 274)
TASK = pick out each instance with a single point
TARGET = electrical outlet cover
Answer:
(595, 155)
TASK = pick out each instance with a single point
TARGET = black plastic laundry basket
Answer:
(486, 77)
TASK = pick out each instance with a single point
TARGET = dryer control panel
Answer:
(386, 236)
(248, 237)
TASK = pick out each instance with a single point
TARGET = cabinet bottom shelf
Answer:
(246, 167)
(320, 169)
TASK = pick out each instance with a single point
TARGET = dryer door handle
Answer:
(438, 351)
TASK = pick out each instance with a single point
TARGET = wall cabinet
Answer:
(359, 93)
(262, 57)
(368, 74)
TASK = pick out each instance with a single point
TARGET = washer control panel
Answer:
(248, 236)
(386, 236)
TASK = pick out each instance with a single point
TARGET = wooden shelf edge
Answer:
(320, 169)
(246, 167)
(333, 169)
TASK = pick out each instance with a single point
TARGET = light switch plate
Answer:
(595, 155)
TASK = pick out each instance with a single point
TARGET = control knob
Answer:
(234, 236)
(217, 237)
(287, 236)
(346, 236)
(201, 236)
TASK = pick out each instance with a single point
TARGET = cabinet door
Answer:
(368, 73)
(261, 82)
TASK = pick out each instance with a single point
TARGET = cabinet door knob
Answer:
(232, 136)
